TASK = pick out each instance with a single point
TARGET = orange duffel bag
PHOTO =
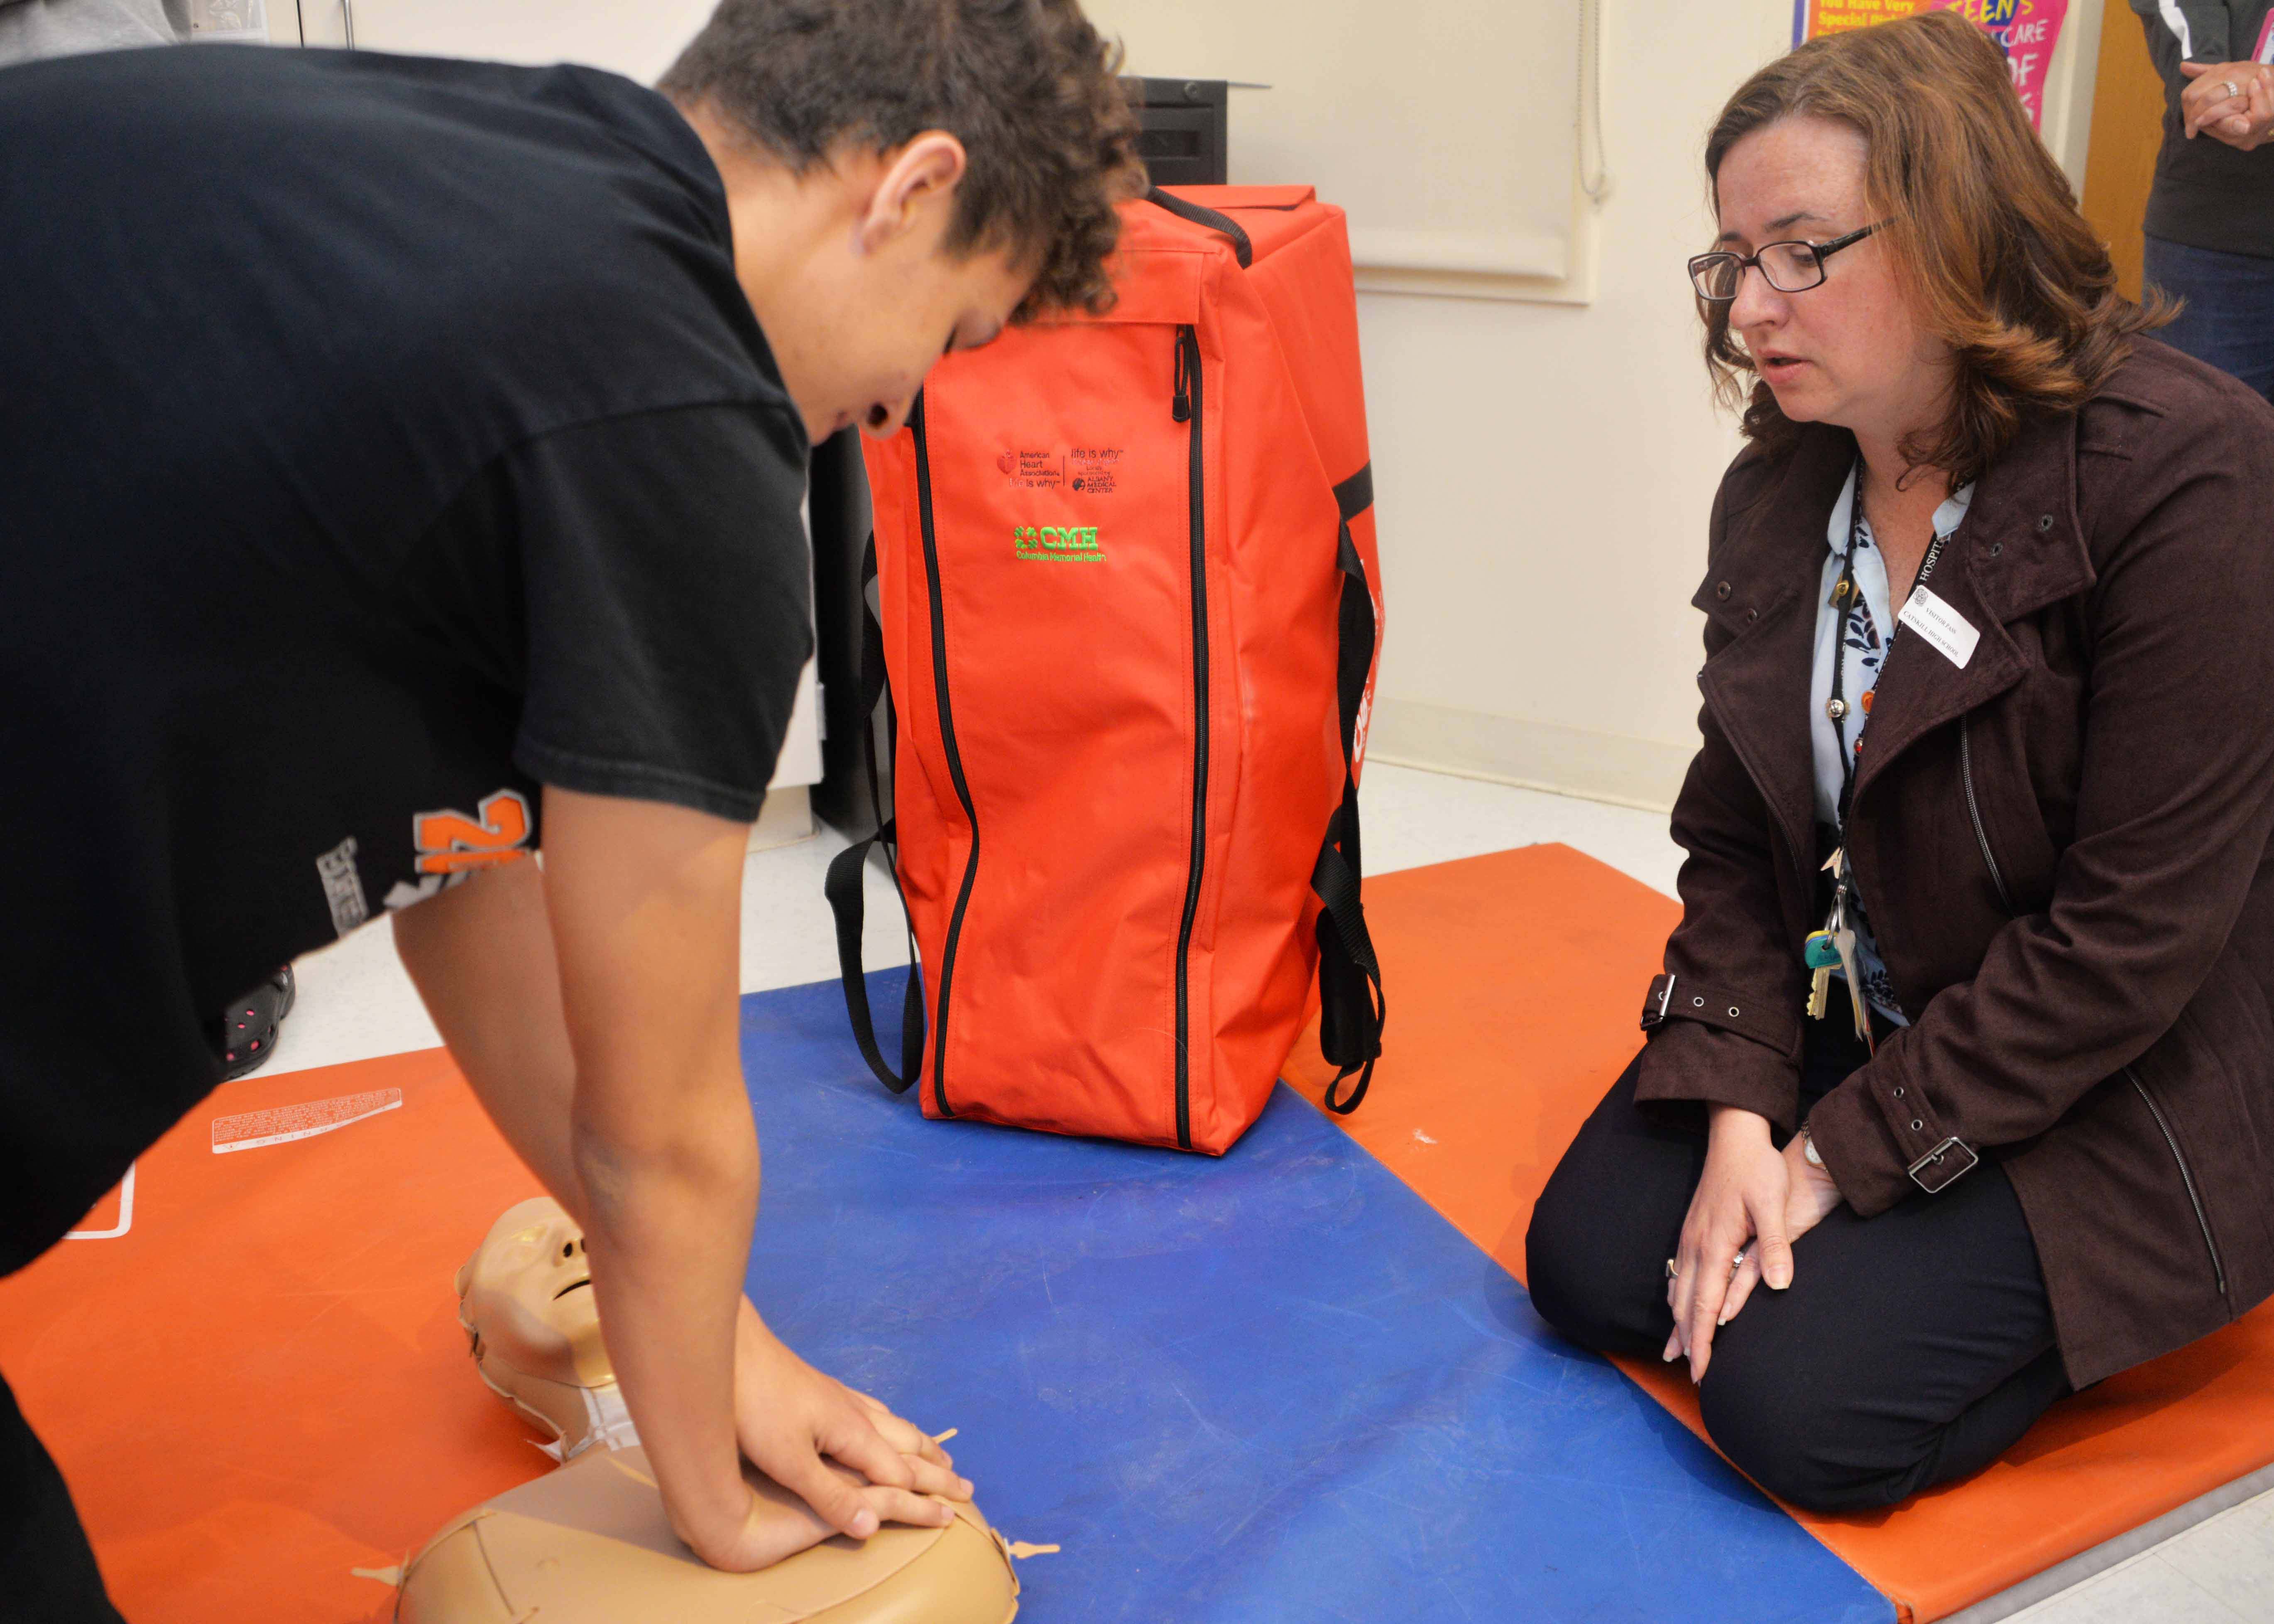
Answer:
(1127, 574)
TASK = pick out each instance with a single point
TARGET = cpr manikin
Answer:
(590, 1543)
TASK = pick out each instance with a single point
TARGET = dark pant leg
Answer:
(1911, 1349)
(1610, 1217)
(2228, 320)
(47, 1573)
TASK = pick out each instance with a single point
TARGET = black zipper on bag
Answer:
(2155, 1110)
(1186, 408)
(954, 757)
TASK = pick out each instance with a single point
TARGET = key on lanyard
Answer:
(1823, 956)
(1833, 946)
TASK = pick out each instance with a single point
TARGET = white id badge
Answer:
(245, 22)
(1940, 625)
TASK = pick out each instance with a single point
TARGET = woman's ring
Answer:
(1738, 1261)
(1672, 1272)
(2231, 90)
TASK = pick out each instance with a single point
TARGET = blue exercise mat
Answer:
(1276, 1386)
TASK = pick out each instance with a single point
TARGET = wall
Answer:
(1543, 470)
(1382, 109)
(634, 37)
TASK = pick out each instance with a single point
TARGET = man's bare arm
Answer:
(637, 916)
(481, 957)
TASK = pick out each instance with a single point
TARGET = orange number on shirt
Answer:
(449, 842)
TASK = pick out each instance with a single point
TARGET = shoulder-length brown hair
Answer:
(1987, 243)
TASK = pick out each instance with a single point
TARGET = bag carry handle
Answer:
(843, 888)
(1353, 1007)
(1241, 248)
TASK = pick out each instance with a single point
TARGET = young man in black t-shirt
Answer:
(444, 425)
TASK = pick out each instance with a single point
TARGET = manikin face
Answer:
(1848, 351)
(527, 1294)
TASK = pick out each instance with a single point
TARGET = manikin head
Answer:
(525, 1298)
(591, 1542)
(907, 177)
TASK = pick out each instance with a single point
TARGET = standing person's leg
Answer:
(48, 1571)
(1911, 1349)
(2228, 318)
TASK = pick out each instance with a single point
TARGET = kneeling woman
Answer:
(1989, 731)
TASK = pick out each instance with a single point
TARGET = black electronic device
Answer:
(1181, 129)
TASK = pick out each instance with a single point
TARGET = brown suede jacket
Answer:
(2063, 847)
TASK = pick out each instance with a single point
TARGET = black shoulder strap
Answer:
(1223, 223)
(1353, 1007)
(843, 885)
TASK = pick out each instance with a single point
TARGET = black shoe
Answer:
(246, 1035)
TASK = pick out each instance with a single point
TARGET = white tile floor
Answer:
(355, 1002)
(2221, 1571)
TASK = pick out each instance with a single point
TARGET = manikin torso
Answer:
(590, 1543)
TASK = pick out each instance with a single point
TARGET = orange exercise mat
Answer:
(319, 1392)
(1516, 980)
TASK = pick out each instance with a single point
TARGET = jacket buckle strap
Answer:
(1656, 1002)
(1945, 1165)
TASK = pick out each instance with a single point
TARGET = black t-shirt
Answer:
(2206, 194)
(381, 438)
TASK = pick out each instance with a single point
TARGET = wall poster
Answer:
(2025, 30)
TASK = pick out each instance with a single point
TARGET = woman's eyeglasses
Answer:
(1790, 267)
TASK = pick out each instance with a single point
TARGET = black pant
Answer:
(47, 1573)
(1911, 1349)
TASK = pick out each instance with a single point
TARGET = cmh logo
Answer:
(1070, 544)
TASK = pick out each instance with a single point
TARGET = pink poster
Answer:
(2025, 30)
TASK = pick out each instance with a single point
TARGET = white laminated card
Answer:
(1940, 625)
(238, 22)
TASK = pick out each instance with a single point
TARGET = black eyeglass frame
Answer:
(1752, 261)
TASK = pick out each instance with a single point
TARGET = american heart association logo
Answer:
(1008, 462)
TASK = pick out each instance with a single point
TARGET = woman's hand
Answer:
(2230, 102)
(1809, 1197)
(1813, 1195)
(1740, 1199)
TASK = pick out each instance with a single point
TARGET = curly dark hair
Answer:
(1986, 238)
(1026, 86)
